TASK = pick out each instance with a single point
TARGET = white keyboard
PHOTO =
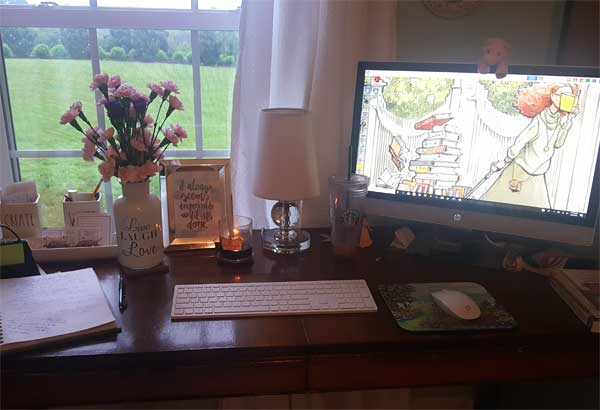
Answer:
(202, 301)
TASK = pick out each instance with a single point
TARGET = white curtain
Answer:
(303, 54)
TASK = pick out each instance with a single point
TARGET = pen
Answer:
(122, 294)
(97, 188)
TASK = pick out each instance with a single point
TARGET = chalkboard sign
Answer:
(198, 197)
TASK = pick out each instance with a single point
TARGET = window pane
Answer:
(47, 72)
(147, 4)
(54, 176)
(219, 4)
(218, 59)
(37, 2)
(150, 56)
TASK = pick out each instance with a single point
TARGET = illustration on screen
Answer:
(515, 142)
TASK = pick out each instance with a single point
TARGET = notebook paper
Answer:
(50, 307)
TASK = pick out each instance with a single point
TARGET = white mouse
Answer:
(457, 304)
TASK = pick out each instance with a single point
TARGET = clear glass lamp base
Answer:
(279, 241)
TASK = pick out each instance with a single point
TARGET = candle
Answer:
(236, 241)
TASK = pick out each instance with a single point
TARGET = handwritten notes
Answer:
(41, 307)
(198, 202)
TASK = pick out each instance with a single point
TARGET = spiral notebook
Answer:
(47, 309)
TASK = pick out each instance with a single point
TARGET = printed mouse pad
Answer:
(415, 310)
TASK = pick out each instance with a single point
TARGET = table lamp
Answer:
(286, 172)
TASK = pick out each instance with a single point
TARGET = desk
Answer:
(156, 359)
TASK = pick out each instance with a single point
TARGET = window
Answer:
(50, 53)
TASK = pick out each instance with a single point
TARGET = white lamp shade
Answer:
(286, 162)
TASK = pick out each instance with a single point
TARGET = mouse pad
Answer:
(414, 309)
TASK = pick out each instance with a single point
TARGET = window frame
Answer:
(94, 17)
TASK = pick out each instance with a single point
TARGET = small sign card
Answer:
(94, 228)
(198, 197)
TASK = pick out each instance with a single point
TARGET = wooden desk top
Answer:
(155, 358)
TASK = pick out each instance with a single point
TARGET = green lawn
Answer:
(41, 90)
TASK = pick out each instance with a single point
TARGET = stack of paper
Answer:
(37, 310)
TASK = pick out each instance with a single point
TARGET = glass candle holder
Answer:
(235, 243)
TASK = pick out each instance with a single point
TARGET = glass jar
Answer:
(346, 211)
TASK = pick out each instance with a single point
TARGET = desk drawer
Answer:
(394, 370)
(156, 383)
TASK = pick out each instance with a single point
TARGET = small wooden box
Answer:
(72, 208)
(23, 218)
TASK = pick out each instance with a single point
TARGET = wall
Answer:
(580, 45)
(532, 27)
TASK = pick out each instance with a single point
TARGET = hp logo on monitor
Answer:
(457, 217)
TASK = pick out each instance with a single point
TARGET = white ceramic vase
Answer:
(139, 227)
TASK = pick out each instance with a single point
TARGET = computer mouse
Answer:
(457, 304)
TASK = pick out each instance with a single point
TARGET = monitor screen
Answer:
(444, 135)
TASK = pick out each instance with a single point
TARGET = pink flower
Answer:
(89, 149)
(107, 134)
(95, 134)
(175, 103)
(139, 96)
(99, 79)
(116, 154)
(147, 136)
(149, 169)
(130, 173)
(153, 146)
(114, 82)
(111, 153)
(169, 134)
(170, 85)
(71, 114)
(125, 91)
(103, 101)
(148, 120)
(138, 145)
(107, 169)
(181, 133)
(67, 117)
(156, 89)
(76, 107)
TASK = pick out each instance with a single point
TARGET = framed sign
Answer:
(198, 199)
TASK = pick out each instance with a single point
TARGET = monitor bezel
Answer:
(483, 207)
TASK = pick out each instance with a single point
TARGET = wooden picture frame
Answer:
(198, 196)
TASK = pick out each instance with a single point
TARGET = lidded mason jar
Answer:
(346, 211)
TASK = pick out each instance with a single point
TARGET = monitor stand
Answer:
(462, 246)
(448, 239)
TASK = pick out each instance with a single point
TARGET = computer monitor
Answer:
(446, 145)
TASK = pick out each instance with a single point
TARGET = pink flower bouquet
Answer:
(133, 146)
